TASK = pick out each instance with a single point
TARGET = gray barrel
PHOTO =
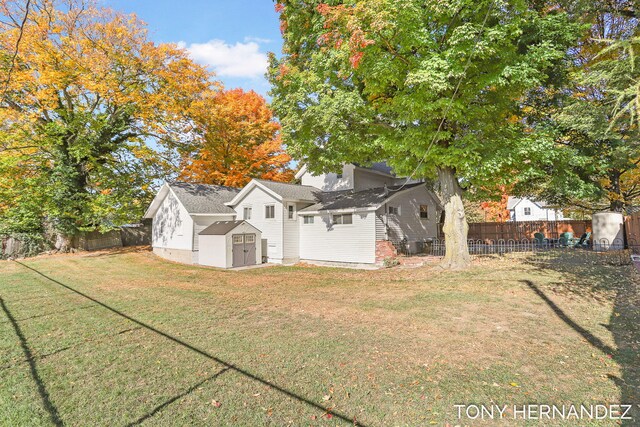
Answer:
(608, 231)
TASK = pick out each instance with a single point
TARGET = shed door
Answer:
(244, 250)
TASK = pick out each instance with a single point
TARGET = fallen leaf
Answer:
(216, 403)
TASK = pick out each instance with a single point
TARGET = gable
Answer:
(157, 201)
(196, 199)
(254, 194)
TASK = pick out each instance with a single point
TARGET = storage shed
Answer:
(228, 244)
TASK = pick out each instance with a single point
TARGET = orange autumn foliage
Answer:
(496, 210)
(89, 106)
(238, 140)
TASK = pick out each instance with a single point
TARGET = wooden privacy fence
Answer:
(132, 235)
(632, 229)
(26, 245)
(494, 231)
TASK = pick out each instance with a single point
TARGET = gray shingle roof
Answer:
(204, 198)
(220, 228)
(350, 199)
(291, 191)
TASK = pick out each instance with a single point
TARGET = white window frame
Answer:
(266, 207)
(250, 238)
(526, 211)
(244, 212)
(291, 213)
(308, 219)
(239, 238)
(426, 217)
(394, 210)
(333, 219)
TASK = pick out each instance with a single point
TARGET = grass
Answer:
(124, 338)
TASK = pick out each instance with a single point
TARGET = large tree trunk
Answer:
(64, 243)
(616, 199)
(455, 223)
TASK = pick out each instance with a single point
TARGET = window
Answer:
(291, 211)
(307, 219)
(343, 219)
(247, 213)
(237, 239)
(527, 211)
(393, 210)
(339, 176)
(270, 211)
(249, 238)
(424, 212)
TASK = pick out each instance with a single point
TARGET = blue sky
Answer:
(232, 37)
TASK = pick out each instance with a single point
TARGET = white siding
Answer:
(537, 213)
(381, 227)
(214, 251)
(354, 243)
(330, 181)
(292, 233)
(272, 229)
(172, 225)
(200, 222)
(408, 223)
(364, 179)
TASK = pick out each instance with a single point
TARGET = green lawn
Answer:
(126, 338)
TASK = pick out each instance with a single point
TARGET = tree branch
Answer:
(17, 49)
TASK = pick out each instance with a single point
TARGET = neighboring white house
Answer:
(523, 209)
(350, 218)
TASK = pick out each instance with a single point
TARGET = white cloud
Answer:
(258, 40)
(237, 60)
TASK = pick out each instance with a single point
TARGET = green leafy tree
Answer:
(590, 116)
(82, 99)
(431, 87)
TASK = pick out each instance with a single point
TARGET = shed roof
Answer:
(204, 198)
(220, 228)
(350, 199)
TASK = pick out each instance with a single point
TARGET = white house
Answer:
(180, 211)
(350, 218)
(523, 209)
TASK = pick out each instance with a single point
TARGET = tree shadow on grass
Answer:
(33, 368)
(176, 398)
(227, 365)
(617, 285)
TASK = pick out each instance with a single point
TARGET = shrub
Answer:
(19, 245)
(390, 262)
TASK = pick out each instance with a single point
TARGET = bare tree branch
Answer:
(17, 49)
